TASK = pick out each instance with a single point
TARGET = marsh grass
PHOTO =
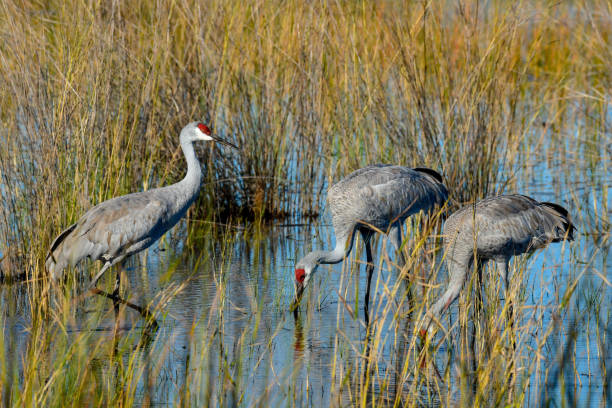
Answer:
(93, 97)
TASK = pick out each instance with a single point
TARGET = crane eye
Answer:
(205, 129)
(300, 274)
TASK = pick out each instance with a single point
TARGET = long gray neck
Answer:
(194, 171)
(186, 191)
(344, 243)
(457, 273)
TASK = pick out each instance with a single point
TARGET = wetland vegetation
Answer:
(497, 96)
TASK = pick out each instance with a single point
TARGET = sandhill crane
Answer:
(122, 226)
(496, 228)
(379, 196)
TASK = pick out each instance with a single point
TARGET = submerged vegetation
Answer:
(494, 96)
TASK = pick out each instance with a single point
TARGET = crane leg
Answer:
(478, 308)
(369, 270)
(502, 267)
(115, 294)
(144, 311)
(479, 288)
(395, 236)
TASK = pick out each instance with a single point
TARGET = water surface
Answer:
(226, 333)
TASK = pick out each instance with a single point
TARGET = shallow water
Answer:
(228, 337)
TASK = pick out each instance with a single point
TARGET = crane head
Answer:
(300, 283)
(302, 277)
(197, 131)
(303, 272)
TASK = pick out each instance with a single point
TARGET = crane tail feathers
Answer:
(563, 214)
(437, 176)
(557, 208)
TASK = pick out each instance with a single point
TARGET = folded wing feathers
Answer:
(104, 231)
(379, 194)
(518, 218)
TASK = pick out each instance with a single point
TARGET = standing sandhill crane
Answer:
(377, 197)
(122, 226)
(496, 228)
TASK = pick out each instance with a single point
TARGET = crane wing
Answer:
(401, 197)
(123, 221)
(381, 194)
(511, 224)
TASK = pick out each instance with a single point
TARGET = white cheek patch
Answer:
(202, 135)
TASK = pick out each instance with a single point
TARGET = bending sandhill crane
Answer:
(122, 226)
(496, 228)
(380, 196)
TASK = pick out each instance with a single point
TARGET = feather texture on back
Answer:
(381, 194)
(505, 226)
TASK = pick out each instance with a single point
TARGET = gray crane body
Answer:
(377, 197)
(123, 226)
(497, 228)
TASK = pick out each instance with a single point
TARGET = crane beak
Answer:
(298, 292)
(224, 142)
(299, 289)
